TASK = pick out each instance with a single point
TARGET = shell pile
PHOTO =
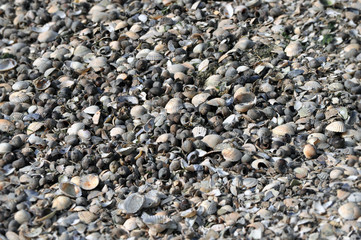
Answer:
(180, 119)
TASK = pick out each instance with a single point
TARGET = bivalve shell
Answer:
(212, 140)
(337, 126)
(309, 151)
(134, 202)
(89, 182)
(6, 125)
(284, 129)
(232, 154)
(7, 64)
(199, 131)
(350, 211)
(19, 97)
(70, 189)
(250, 182)
(33, 127)
(61, 203)
(293, 49)
(5, 148)
(174, 105)
(154, 56)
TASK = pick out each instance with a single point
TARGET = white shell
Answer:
(18, 97)
(70, 189)
(337, 126)
(33, 127)
(174, 105)
(283, 130)
(7, 64)
(91, 109)
(231, 154)
(293, 49)
(133, 203)
(5, 148)
(73, 130)
(84, 134)
(89, 182)
(199, 131)
(154, 56)
(228, 11)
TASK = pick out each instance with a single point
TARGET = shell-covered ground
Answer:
(180, 119)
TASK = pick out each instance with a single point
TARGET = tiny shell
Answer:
(231, 154)
(349, 211)
(199, 131)
(87, 216)
(228, 11)
(33, 127)
(337, 126)
(19, 97)
(91, 109)
(70, 190)
(309, 151)
(283, 130)
(200, 98)
(203, 66)
(133, 203)
(89, 182)
(42, 83)
(260, 163)
(154, 56)
(84, 134)
(312, 86)
(244, 101)
(212, 140)
(7, 64)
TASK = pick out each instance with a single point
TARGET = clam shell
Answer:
(293, 49)
(89, 182)
(7, 64)
(260, 163)
(203, 66)
(5, 148)
(174, 105)
(70, 189)
(42, 83)
(154, 219)
(87, 216)
(134, 202)
(91, 109)
(18, 97)
(283, 130)
(116, 131)
(73, 130)
(84, 134)
(143, 53)
(6, 126)
(212, 140)
(337, 126)
(200, 98)
(152, 199)
(244, 100)
(231, 154)
(33, 127)
(312, 86)
(217, 102)
(309, 151)
(21, 85)
(154, 56)
(250, 182)
(61, 203)
(350, 211)
(199, 131)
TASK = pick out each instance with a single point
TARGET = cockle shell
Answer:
(309, 151)
(350, 211)
(283, 130)
(199, 131)
(6, 125)
(200, 98)
(61, 203)
(174, 105)
(293, 49)
(33, 127)
(19, 97)
(154, 56)
(7, 64)
(231, 154)
(337, 126)
(212, 140)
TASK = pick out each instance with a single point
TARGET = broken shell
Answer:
(284, 129)
(232, 154)
(61, 203)
(293, 49)
(350, 211)
(337, 126)
(152, 199)
(199, 131)
(33, 127)
(260, 163)
(133, 203)
(244, 101)
(309, 151)
(70, 190)
(7, 64)
(212, 140)
(87, 216)
(89, 182)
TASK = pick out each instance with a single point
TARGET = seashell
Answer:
(309, 151)
(179, 76)
(133, 203)
(337, 126)
(243, 44)
(250, 182)
(227, 11)
(89, 181)
(203, 66)
(75, 180)
(33, 232)
(334, 87)
(116, 131)
(87, 216)
(143, 53)
(152, 199)
(349, 211)
(301, 172)
(6, 126)
(33, 139)
(174, 105)
(312, 86)
(244, 101)
(91, 109)
(200, 98)
(70, 189)
(336, 174)
(7, 64)
(199, 131)
(176, 68)
(154, 56)
(208, 207)
(73, 130)
(266, 87)
(189, 213)
(84, 134)
(21, 85)
(18, 97)
(293, 49)
(130, 224)
(284, 129)
(22, 216)
(231, 154)
(212, 140)
(260, 163)
(42, 83)
(352, 46)
(213, 81)
(33, 127)
(217, 102)
(5, 148)
(61, 203)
